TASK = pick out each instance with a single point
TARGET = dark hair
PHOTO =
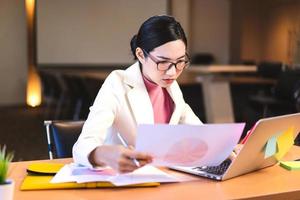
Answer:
(156, 31)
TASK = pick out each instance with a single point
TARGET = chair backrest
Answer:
(80, 99)
(248, 62)
(269, 69)
(296, 96)
(61, 136)
(286, 84)
(203, 59)
(50, 84)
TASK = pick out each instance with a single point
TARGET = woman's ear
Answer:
(140, 55)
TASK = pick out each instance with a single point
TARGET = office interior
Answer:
(40, 83)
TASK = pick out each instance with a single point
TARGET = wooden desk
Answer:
(269, 183)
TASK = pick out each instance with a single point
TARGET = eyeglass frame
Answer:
(171, 63)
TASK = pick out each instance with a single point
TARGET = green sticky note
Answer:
(284, 142)
(291, 165)
(271, 147)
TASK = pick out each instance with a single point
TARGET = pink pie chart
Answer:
(186, 151)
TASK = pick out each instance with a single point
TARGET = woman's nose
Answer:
(171, 70)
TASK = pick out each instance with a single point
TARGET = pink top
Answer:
(162, 102)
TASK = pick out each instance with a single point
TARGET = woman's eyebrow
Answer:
(166, 58)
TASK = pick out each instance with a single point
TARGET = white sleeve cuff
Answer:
(82, 150)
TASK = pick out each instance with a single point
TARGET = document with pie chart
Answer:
(188, 145)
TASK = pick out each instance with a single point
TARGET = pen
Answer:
(124, 143)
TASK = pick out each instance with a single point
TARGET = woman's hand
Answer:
(236, 151)
(119, 158)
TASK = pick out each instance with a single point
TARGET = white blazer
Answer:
(121, 104)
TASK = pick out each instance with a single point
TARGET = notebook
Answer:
(252, 155)
(40, 174)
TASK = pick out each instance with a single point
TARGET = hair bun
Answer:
(133, 45)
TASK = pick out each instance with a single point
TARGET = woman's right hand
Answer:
(119, 158)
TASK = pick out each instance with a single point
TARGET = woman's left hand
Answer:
(236, 151)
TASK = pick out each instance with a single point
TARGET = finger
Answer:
(131, 147)
(232, 156)
(127, 167)
(137, 163)
(137, 158)
(138, 155)
(146, 161)
(143, 162)
(126, 170)
(237, 148)
(127, 163)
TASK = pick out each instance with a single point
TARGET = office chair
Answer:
(202, 59)
(269, 69)
(61, 136)
(52, 92)
(284, 95)
(79, 98)
(248, 62)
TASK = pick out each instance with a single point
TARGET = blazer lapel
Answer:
(176, 97)
(138, 97)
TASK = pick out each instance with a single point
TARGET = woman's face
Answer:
(166, 54)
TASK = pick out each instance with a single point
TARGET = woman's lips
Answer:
(168, 81)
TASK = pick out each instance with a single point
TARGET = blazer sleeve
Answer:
(99, 121)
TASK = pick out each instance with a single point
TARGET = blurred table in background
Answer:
(214, 79)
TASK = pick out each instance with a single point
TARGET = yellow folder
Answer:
(40, 174)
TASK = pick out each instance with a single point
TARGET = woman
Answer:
(146, 92)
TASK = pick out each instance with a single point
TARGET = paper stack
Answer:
(80, 174)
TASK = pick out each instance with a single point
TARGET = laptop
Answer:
(251, 156)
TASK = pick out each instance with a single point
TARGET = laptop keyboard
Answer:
(217, 170)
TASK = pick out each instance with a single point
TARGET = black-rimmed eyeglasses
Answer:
(164, 65)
